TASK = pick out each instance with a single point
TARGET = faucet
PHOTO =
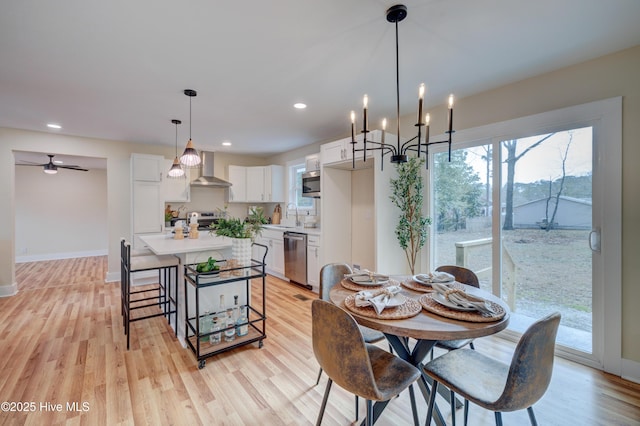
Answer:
(297, 218)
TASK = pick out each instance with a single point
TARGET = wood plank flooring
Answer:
(62, 343)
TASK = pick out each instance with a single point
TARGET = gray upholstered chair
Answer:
(494, 385)
(464, 276)
(358, 367)
(330, 275)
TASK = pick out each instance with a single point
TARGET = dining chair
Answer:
(330, 275)
(162, 294)
(464, 276)
(495, 385)
(358, 367)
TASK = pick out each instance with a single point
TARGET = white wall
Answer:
(60, 216)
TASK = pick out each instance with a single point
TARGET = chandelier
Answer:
(399, 152)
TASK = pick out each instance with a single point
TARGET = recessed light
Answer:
(226, 143)
(54, 126)
(300, 105)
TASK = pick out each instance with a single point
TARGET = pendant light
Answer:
(190, 157)
(176, 171)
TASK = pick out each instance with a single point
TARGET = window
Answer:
(296, 200)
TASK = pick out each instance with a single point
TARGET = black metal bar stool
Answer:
(162, 294)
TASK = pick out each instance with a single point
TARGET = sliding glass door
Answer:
(526, 213)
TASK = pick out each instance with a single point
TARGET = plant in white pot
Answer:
(242, 232)
(407, 195)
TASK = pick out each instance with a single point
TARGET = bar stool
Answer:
(162, 294)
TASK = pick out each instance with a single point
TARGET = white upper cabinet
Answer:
(259, 184)
(176, 190)
(147, 168)
(238, 188)
(312, 162)
(341, 151)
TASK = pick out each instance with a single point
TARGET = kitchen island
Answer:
(196, 250)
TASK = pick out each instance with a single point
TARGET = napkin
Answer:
(436, 277)
(366, 273)
(378, 299)
(461, 298)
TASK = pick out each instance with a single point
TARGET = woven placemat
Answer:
(412, 285)
(408, 309)
(350, 285)
(427, 302)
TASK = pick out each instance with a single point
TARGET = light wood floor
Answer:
(61, 342)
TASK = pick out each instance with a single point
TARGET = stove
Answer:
(204, 219)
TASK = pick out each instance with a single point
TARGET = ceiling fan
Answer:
(51, 168)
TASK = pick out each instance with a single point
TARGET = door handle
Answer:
(594, 240)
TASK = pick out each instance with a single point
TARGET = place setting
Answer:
(364, 280)
(452, 302)
(383, 303)
(423, 282)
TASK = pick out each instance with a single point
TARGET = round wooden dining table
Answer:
(413, 338)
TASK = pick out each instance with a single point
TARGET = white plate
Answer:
(365, 280)
(445, 302)
(424, 279)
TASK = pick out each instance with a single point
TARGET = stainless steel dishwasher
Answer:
(295, 258)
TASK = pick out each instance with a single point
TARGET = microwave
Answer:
(311, 184)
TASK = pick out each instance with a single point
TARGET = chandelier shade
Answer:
(190, 157)
(176, 171)
(416, 145)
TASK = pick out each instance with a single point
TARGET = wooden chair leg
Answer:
(324, 402)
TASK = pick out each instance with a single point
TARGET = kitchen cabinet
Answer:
(147, 200)
(341, 151)
(275, 255)
(313, 262)
(238, 188)
(258, 184)
(312, 162)
(176, 190)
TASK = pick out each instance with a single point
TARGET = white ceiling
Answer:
(117, 69)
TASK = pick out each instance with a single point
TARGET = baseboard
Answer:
(631, 370)
(58, 256)
(8, 290)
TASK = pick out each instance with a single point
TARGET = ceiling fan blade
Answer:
(73, 168)
(32, 164)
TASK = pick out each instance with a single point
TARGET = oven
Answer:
(311, 184)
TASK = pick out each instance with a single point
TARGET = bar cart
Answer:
(203, 333)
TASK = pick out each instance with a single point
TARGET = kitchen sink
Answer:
(279, 226)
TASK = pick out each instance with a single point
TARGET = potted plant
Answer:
(242, 232)
(407, 195)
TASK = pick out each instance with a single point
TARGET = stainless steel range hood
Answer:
(206, 173)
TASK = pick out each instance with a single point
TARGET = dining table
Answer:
(413, 335)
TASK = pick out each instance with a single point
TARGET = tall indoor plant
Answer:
(242, 232)
(407, 195)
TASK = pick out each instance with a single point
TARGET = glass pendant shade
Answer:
(50, 169)
(176, 170)
(190, 157)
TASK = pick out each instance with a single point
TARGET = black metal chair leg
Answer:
(452, 401)
(532, 417)
(498, 418)
(369, 420)
(319, 374)
(414, 407)
(324, 402)
(466, 411)
(357, 408)
(432, 401)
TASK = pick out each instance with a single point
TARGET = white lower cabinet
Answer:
(275, 255)
(313, 262)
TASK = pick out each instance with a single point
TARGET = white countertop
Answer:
(166, 244)
(301, 229)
